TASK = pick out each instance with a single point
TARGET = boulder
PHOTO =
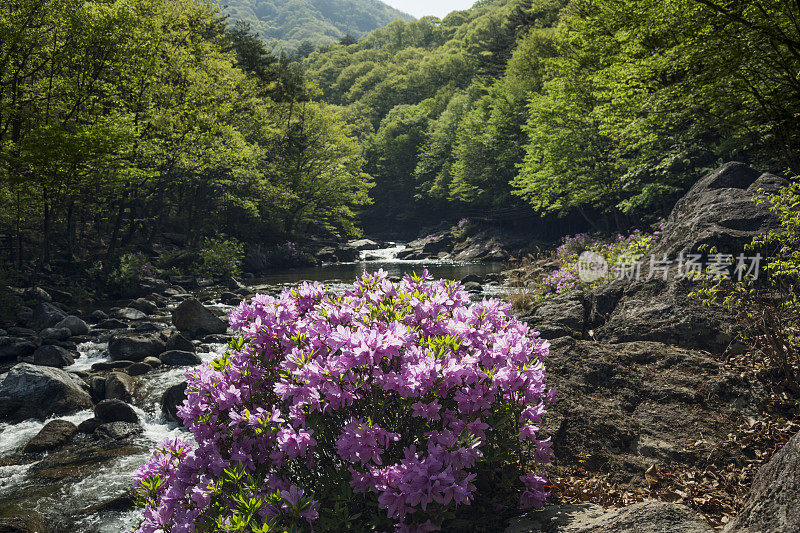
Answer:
(116, 431)
(149, 327)
(774, 499)
(364, 244)
(115, 411)
(473, 286)
(89, 425)
(154, 362)
(29, 391)
(719, 211)
(178, 358)
(97, 316)
(172, 399)
(53, 434)
(230, 298)
(12, 348)
(135, 348)
(75, 325)
(46, 315)
(119, 386)
(17, 331)
(55, 334)
(139, 369)
(112, 323)
(145, 306)
(128, 313)
(193, 318)
(55, 356)
(644, 517)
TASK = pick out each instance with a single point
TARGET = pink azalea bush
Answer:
(374, 410)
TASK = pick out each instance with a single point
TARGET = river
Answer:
(22, 491)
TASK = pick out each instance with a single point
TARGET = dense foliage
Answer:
(302, 25)
(119, 120)
(387, 405)
(597, 107)
(767, 302)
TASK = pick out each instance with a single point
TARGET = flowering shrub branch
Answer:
(374, 410)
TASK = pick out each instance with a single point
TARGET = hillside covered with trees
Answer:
(293, 25)
(597, 108)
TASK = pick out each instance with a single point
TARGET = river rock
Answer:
(774, 500)
(46, 315)
(229, 298)
(644, 517)
(154, 362)
(75, 325)
(89, 425)
(29, 391)
(117, 431)
(17, 331)
(115, 411)
(145, 306)
(149, 327)
(105, 366)
(98, 316)
(193, 318)
(172, 399)
(128, 313)
(364, 244)
(473, 286)
(178, 358)
(119, 386)
(55, 356)
(55, 334)
(112, 323)
(53, 434)
(12, 348)
(138, 369)
(177, 341)
(135, 348)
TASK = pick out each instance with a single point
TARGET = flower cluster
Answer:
(565, 277)
(381, 407)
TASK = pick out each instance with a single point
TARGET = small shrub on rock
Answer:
(379, 409)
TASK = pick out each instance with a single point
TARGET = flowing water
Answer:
(22, 491)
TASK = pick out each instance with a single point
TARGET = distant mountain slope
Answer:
(292, 22)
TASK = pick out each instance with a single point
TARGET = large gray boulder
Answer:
(720, 211)
(30, 391)
(644, 517)
(773, 504)
(135, 348)
(194, 318)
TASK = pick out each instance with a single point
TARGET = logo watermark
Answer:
(593, 267)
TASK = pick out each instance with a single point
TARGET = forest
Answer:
(120, 120)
